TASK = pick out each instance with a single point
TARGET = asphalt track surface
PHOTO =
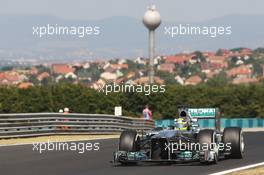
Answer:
(21, 160)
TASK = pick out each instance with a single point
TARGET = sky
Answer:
(171, 10)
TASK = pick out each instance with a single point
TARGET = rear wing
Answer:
(204, 113)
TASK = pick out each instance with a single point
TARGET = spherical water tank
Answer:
(152, 18)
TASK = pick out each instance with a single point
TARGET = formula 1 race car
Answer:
(185, 141)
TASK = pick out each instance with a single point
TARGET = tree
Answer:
(169, 78)
(233, 100)
(218, 80)
(200, 56)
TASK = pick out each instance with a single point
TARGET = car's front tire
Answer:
(206, 138)
(128, 141)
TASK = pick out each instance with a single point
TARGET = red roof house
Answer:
(193, 80)
(62, 69)
(241, 70)
(167, 67)
(25, 85)
(119, 66)
(42, 76)
(178, 59)
(9, 78)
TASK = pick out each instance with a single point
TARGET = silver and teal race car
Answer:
(183, 142)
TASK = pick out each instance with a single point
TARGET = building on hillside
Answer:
(106, 65)
(42, 76)
(121, 61)
(119, 66)
(86, 65)
(62, 69)
(109, 76)
(119, 73)
(167, 67)
(71, 75)
(130, 82)
(157, 60)
(211, 74)
(130, 75)
(225, 52)
(244, 80)
(109, 69)
(59, 78)
(34, 71)
(242, 53)
(241, 71)
(9, 78)
(25, 85)
(179, 79)
(178, 59)
(145, 80)
(218, 60)
(140, 60)
(210, 67)
(245, 52)
(208, 54)
(193, 80)
(98, 84)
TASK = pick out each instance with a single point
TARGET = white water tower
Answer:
(151, 20)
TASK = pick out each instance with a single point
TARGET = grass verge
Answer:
(252, 171)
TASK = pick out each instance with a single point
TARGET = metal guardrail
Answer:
(39, 124)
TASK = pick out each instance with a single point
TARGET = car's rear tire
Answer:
(128, 141)
(234, 136)
(207, 136)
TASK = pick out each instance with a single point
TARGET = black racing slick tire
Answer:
(207, 137)
(233, 136)
(128, 141)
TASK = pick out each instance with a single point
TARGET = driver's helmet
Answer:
(183, 114)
